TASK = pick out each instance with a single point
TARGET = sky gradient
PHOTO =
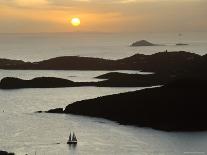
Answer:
(25, 16)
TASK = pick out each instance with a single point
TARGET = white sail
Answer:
(70, 138)
(74, 137)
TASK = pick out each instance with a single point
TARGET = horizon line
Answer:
(92, 32)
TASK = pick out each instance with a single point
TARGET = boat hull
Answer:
(72, 142)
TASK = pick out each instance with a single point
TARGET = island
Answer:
(124, 80)
(181, 44)
(143, 43)
(40, 82)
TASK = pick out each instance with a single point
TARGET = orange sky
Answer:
(22, 16)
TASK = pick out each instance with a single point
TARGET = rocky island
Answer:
(143, 43)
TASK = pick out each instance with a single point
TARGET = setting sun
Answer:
(75, 21)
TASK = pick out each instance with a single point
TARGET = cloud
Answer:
(31, 2)
(104, 15)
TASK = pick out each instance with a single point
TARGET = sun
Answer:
(75, 22)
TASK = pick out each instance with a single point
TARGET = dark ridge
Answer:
(166, 66)
(163, 62)
(41, 82)
(178, 106)
(115, 79)
(125, 80)
(115, 75)
(8, 62)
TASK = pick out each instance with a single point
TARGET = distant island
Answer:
(181, 44)
(39, 82)
(143, 43)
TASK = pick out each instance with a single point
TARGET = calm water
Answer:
(22, 131)
(75, 75)
(34, 47)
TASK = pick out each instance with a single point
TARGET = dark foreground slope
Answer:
(180, 105)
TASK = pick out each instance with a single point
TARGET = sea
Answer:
(25, 132)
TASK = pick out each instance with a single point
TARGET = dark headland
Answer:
(177, 106)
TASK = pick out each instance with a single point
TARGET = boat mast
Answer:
(70, 138)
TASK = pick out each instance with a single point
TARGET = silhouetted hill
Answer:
(143, 43)
(64, 63)
(124, 80)
(115, 79)
(179, 105)
(115, 75)
(163, 62)
(40, 82)
(8, 62)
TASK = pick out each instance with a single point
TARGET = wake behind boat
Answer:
(72, 139)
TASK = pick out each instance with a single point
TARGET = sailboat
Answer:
(72, 139)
